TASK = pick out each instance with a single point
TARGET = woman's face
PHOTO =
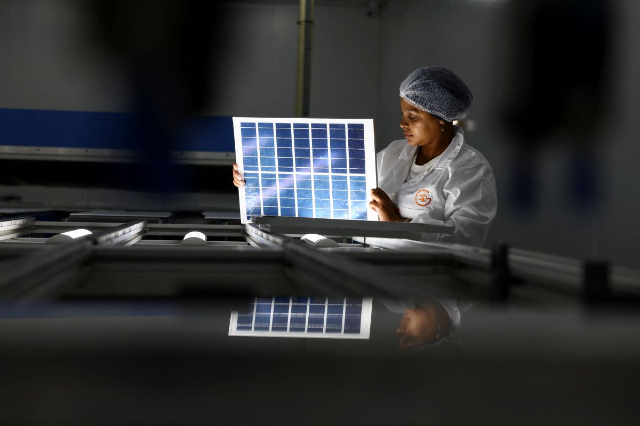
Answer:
(419, 127)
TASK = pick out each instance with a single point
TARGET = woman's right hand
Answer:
(238, 179)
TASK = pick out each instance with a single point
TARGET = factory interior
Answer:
(136, 288)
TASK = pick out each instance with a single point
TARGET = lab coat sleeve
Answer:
(470, 206)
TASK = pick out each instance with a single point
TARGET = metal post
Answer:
(501, 281)
(596, 288)
(305, 38)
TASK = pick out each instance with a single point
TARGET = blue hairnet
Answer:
(437, 91)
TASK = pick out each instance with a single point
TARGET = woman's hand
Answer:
(238, 179)
(382, 204)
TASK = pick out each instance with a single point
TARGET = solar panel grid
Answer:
(302, 315)
(304, 169)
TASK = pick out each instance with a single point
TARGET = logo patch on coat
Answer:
(422, 198)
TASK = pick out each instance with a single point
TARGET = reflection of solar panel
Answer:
(304, 317)
(305, 167)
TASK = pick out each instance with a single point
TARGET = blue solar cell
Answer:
(303, 169)
(323, 194)
(249, 142)
(281, 304)
(284, 143)
(250, 161)
(286, 181)
(301, 143)
(249, 151)
(300, 133)
(318, 133)
(288, 212)
(287, 202)
(270, 201)
(285, 169)
(267, 142)
(265, 132)
(271, 211)
(287, 193)
(356, 144)
(245, 319)
(305, 212)
(251, 168)
(302, 153)
(339, 154)
(321, 163)
(358, 205)
(300, 126)
(340, 205)
(247, 124)
(265, 125)
(336, 126)
(340, 214)
(283, 125)
(338, 144)
(358, 179)
(321, 182)
(340, 195)
(253, 201)
(285, 162)
(356, 164)
(304, 203)
(269, 161)
(268, 181)
(248, 132)
(320, 153)
(356, 134)
(254, 211)
(338, 164)
(358, 185)
(359, 215)
(285, 152)
(340, 185)
(318, 126)
(303, 162)
(252, 191)
(323, 205)
(356, 154)
(356, 126)
(303, 181)
(267, 152)
(320, 143)
(358, 195)
(337, 134)
(338, 170)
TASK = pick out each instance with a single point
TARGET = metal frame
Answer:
(259, 260)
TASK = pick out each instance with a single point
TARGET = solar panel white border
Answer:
(365, 327)
(369, 145)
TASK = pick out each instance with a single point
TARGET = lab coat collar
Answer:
(408, 153)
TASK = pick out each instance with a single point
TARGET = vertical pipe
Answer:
(305, 38)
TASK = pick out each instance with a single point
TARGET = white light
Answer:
(319, 241)
(68, 236)
(194, 237)
(77, 233)
(455, 122)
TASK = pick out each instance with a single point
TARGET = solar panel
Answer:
(319, 317)
(303, 167)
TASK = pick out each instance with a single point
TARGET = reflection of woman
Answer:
(424, 323)
(432, 176)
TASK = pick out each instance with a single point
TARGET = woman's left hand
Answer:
(382, 204)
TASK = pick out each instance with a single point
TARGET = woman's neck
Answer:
(427, 153)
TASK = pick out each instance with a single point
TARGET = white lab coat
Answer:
(458, 191)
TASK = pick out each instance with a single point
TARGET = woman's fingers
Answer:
(238, 179)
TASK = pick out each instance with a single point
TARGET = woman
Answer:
(431, 176)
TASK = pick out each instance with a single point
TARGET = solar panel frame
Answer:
(253, 328)
(305, 167)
